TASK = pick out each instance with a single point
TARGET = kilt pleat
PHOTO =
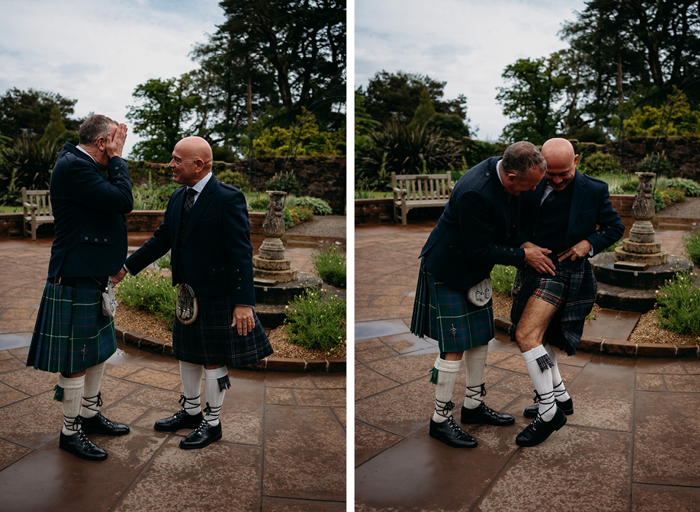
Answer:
(566, 328)
(210, 340)
(71, 334)
(446, 315)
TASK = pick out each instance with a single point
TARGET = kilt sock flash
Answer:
(560, 393)
(91, 392)
(191, 375)
(72, 395)
(539, 368)
(215, 392)
(475, 360)
(446, 379)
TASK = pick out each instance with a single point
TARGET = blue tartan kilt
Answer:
(210, 339)
(446, 315)
(71, 333)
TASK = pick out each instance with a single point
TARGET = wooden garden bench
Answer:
(36, 210)
(419, 191)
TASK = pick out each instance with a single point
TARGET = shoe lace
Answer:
(453, 425)
(441, 408)
(93, 402)
(475, 392)
(73, 423)
(189, 401)
(558, 393)
(547, 400)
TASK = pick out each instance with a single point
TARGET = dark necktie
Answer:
(189, 201)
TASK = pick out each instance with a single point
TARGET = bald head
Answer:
(561, 162)
(192, 161)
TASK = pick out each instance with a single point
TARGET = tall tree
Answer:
(29, 112)
(168, 106)
(533, 98)
(633, 50)
(291, 53)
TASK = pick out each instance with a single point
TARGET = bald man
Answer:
(569, 216)
(206, 228)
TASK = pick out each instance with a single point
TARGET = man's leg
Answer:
(93, 421)
(561, 396)
(190, 416)
(216, 382)
(529, 335)
(442, 425)
(474, 409)
(69, 391)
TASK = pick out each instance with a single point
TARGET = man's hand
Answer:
(114, 143)
(118, 277)
(537, 258)
(243, 319)
(578, 251)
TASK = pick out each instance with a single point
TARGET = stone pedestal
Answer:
(629, 278)
(276, 282)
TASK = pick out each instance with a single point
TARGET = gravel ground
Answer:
(134, 320)
(689, 209)
(331, 226)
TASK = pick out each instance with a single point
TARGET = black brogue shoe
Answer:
(567, 407)
(181, 419)
(485, 415)
(451, 434)
(98, 424)
(79, 445)
(202, 436)
(539, 430)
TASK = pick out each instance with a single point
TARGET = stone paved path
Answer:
(284, 434)
(631, 444)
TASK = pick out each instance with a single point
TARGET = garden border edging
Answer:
(275, 364)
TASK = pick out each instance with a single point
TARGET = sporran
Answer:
(187, 305)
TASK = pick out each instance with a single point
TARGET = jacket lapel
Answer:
(202, 202)
(577, 199)
(177, 214)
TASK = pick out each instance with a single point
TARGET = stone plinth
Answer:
(652, 260)
(641, 247)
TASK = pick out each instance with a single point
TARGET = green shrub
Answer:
(613, 247)
(667, 196)
(285, 181)
(151, 196)
(691, 244)
(689, 187)
(316, 320)
(235, 179)
(257, 202)
(677, 305)
(25, 163)
(330, 266)
(165, 262)
(502, 278)
(319, 206)
(656, 162)
(151, 292)
(599, 163)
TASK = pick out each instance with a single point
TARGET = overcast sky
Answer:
(98, 52)
(466, 43)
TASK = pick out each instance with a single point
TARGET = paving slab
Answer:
(630, 446)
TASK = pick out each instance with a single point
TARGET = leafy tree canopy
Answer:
(30, 112)
(397, 96)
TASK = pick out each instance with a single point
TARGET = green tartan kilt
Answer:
(446, 315)
(71, 333)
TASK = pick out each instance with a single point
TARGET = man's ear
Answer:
(101, 143)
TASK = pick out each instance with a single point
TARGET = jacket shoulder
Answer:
(595, 182)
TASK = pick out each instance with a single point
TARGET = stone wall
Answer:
(682, 152)
(138, 221)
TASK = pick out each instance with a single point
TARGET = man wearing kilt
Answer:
(571, 215)
(72, 334)
(206, 228)
(452, 302)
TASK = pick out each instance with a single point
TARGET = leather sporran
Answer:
(480, 294)
(187, 306)
(109, 300)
